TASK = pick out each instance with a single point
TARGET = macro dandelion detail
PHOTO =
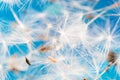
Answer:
(59, 40)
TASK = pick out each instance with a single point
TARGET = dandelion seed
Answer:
(11, 64)
(27, 61)
(16, 64)
(89, 16)
(45, 48)
(85, 79)
(52, 59)
(69, 41)
(111, 57)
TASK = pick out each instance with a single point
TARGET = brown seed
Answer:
(89, 16)
(85, 79)
(27, 61)
(45, 49)
(111, 57)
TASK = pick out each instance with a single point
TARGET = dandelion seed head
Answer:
(73, 33)
(109, 38)
(58, 41)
